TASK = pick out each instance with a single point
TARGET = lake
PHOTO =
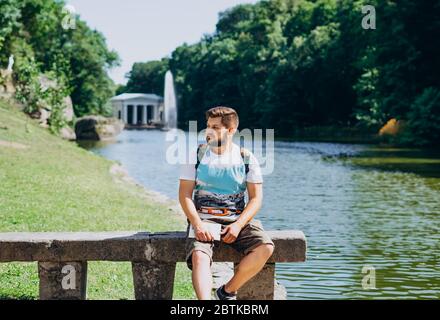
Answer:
(360, 206)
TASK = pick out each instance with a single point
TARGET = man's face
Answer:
(216, 133)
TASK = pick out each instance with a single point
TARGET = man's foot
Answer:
(221, 294)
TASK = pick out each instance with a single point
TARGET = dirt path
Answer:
(14, 145)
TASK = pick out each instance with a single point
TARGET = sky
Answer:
(144, 30)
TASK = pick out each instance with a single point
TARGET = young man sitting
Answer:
(219, 180)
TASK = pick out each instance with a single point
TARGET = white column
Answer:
(124, 113)
(135, 114)
(144, 114)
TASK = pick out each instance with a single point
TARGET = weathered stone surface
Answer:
(46, 82)
(63, 281)
(261, 286)
(153, 256)
(290, 246)
(68, 112)
(97, 128)
(280, 292)
(222, 272)
(7, 87)
(43, 116)
(67, 133)
(153, 280)
(44, 112)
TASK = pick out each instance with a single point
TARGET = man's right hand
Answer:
(202, 234)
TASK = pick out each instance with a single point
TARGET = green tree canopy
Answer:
(288, 64)
(78, 57)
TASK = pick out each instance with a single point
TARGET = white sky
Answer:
(143, 30)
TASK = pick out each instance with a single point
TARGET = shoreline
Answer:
(120, 175)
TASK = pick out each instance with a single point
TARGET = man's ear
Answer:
(232, 130)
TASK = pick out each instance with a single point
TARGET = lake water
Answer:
(360, 206)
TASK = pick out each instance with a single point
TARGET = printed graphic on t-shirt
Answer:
(221, 182)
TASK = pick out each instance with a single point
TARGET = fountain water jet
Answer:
(170, 104)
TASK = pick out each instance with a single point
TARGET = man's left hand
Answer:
(230, 232)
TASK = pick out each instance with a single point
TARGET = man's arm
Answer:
(186, 188)
(255, 192)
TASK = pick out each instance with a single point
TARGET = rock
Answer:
(44, 116)
(7, 87)
(68, 109)
(67, 133)
(44, 111)
(97, 128)
(46, 82)
(280, 292)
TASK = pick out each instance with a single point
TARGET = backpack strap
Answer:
(201, 150)
(246, 156)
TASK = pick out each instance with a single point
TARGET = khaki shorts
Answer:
(251, 236)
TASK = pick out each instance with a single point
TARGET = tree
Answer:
(78, 57)
(147, 77)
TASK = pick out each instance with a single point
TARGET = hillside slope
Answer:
(48, 184)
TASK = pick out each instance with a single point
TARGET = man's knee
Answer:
(200, 257)
(266, 249)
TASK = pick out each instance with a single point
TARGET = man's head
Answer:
(221, 125)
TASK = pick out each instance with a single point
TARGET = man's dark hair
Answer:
(228, 115)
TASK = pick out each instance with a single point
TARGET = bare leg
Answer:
(201, 275)
(249, 266)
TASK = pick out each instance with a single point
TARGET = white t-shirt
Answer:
(221, 180)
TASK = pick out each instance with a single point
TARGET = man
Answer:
(219, 180)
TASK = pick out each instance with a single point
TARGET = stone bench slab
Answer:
(62, 259)
(290, 246)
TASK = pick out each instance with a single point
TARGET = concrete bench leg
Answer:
(63, 280)
(153, 280)
(261, 286)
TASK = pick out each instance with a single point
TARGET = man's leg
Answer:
(201, 275)
(249, 266)
(199, 260)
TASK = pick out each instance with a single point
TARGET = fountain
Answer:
(170, 105)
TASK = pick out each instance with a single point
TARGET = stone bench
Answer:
(62, 259)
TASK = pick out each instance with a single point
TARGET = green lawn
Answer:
(48, 184)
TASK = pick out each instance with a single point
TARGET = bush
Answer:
(423, 123)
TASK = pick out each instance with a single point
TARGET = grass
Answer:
(48, 184)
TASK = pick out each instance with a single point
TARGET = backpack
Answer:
(201, 150)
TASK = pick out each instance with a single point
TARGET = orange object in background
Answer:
(392, 127)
